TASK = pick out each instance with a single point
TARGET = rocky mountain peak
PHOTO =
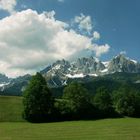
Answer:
(59, 72)
(121, 63)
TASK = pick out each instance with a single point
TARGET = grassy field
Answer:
(13, 127)
(10, 109)
(108, 129)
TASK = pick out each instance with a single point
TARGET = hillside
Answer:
(111, 81)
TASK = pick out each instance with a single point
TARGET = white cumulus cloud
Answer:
(29, 41)
(96, 35)
(99, 50)
(8, 5)
(85, 22)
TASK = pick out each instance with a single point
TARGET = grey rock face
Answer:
(88, 65)
(123, 64)
(61, 70)
(3, 78)
(81, 65)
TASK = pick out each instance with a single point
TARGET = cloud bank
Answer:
(29, 41)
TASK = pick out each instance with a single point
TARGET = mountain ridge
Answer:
(59, 73)
(90, 67)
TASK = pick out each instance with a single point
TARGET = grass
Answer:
(13, 127)
(10, 109)
(108, 129)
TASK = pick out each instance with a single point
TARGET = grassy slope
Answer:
(109, 129)
(10, 109)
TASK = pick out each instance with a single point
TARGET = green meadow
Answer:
(108, 129)
(11, 109)
(13, 127)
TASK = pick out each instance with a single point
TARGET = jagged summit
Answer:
(61, 70)
(121, 63)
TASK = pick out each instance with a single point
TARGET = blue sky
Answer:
(117, 21)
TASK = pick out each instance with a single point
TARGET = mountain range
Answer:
(62, 72)
(59, 72)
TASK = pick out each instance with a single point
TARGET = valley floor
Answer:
(107, 129)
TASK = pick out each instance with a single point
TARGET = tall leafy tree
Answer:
(127, 101)
(103, 101)
(78, 100)
(37, 100)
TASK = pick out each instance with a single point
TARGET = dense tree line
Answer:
(77, 103)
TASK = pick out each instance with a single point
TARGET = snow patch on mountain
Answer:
(134, 61)
(56, 67)
(95, 75)
(81, 75)
(105, 70)
(4, 84)
(106, 63)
